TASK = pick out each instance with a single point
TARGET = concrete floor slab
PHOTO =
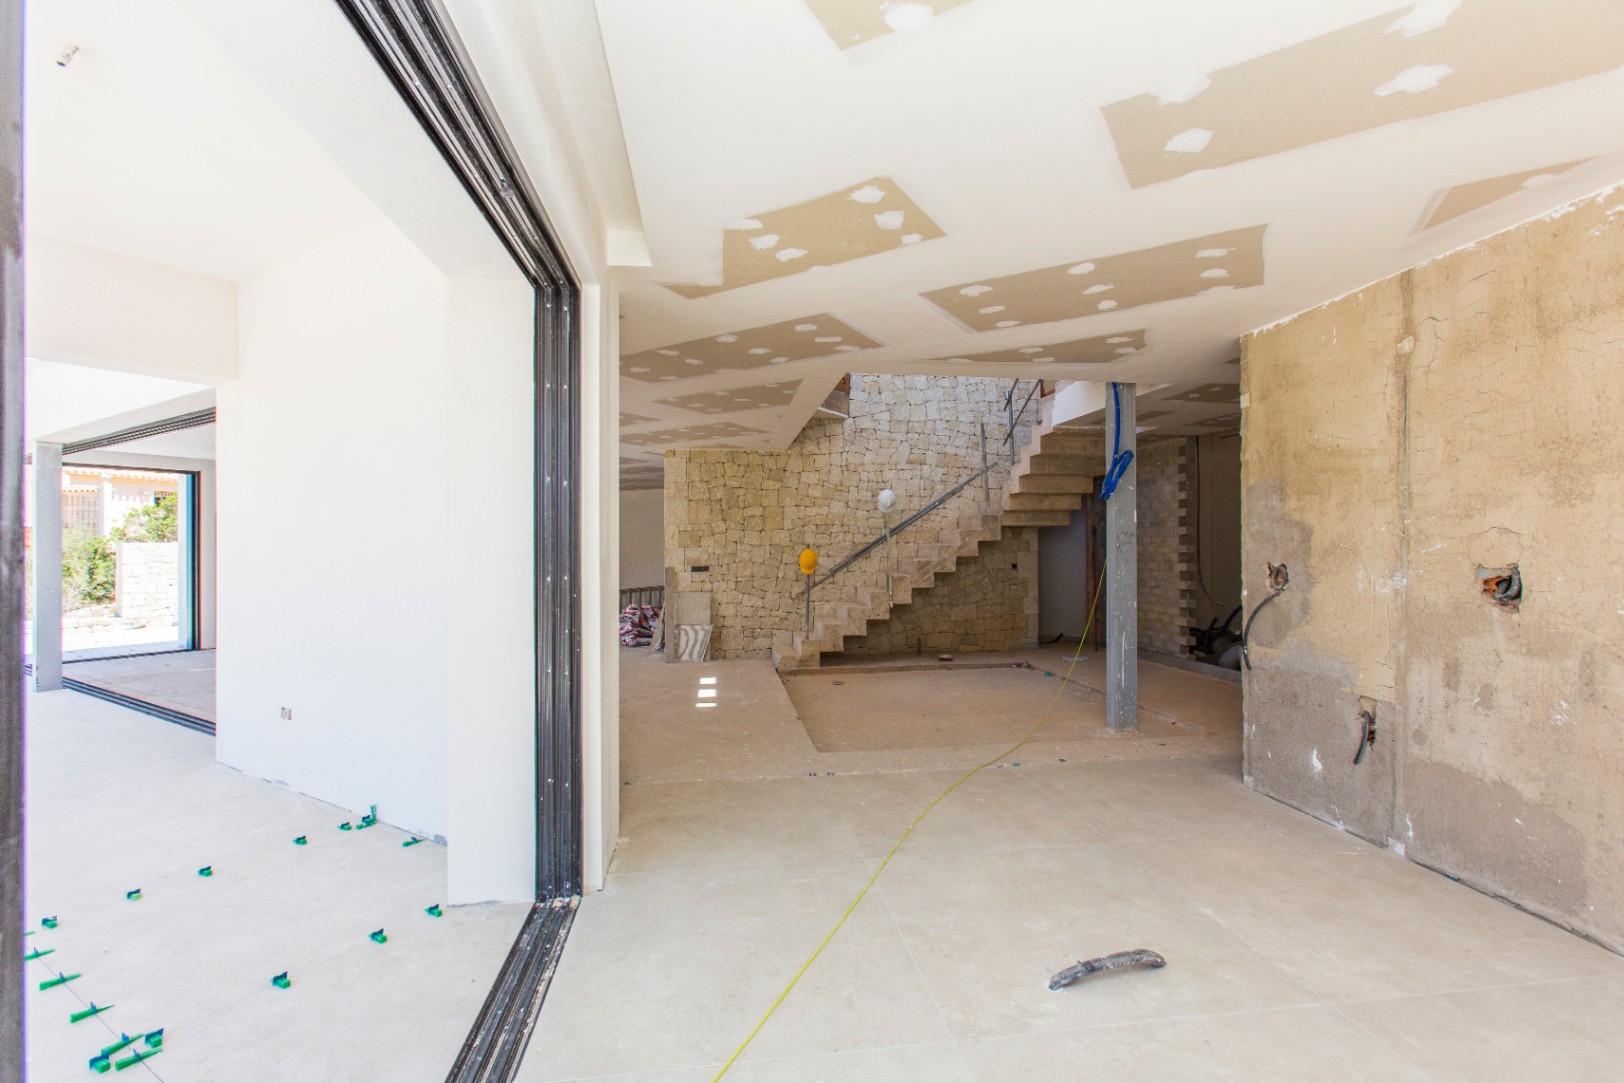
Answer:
(1295, 952)
(119, 801)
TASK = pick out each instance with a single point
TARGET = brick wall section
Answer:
(1166, 548)
(748, 514)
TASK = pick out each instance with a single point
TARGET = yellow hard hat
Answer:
(809, 561)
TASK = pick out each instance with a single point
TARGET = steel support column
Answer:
(1122, 570)
(12, 581)
(47, 556)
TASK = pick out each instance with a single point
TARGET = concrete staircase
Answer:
(1046, 485)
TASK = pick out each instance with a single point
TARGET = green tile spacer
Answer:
(37, 954)
(281, 980)
(377, 937)
(300, 841)
(124, 1042)
(131, 896)
(101, 1062)
(345, 826)
(206, 870)
(154, 1038)
(49, 923)
(410, 842)
(435, 911)
(60, 979)
(135, 1058)
(94, 1009)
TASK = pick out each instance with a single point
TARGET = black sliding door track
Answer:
(414, 43)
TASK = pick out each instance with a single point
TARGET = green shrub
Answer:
(89, 573)
(155, 523)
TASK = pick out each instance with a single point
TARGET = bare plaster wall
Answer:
(746, 515)
(1468, 412)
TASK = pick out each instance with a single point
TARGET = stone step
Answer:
(1037, 518)
(1064, 464)
(1043, 502)
(1057, 483)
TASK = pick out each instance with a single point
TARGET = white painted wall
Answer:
(642, 538)
(90, 307)
(333, 592)
(491, 791)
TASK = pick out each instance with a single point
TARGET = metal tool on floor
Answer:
(1117, 961)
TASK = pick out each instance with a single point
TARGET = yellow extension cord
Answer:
(861, 895)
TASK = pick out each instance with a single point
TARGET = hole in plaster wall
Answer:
(1502, 587)
(1414, 80)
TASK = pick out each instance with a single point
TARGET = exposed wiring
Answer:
(1120, 460)
(1278, 578)
(1011, 750)
(1367, 735)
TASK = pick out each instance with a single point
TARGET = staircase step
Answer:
(1058, 483)
(1036, 518)
(1044, 463)
(1043, 502)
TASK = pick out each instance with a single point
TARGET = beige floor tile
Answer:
(730, 824)
(1163, 799)
(750, 729)
(995, 809)
(1355, 922)
(988, 932)
(1295, 1045)
(1556, 1032)
(909, 1064)
(668, 970)
(195, 955)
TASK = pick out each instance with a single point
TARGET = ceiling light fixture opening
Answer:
(908, 16)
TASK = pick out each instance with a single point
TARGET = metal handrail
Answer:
(1017, 416)
(894, 531)
(982, 475)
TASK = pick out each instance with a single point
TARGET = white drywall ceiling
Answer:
(991, 118)
(152, 142)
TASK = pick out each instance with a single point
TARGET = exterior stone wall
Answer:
(1399, 445)
(147, 581)
(746, 515)
(1166, 548)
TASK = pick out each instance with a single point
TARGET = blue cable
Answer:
(1120, 459)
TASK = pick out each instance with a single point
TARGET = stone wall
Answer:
(147, 581)
(987, 604)
(1465, 415)
(1166, 549)
(746, 515)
